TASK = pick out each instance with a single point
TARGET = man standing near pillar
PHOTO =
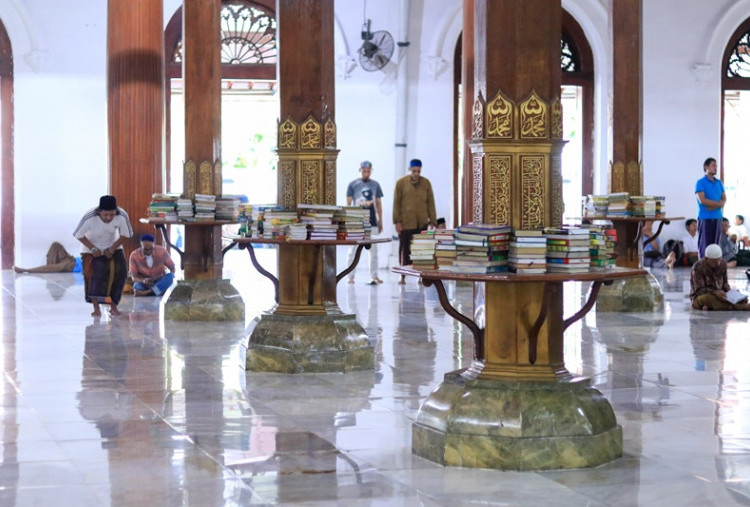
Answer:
(711, 199)
(413, 209)
(366, 192)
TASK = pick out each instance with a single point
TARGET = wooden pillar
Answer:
(516, 168)
(626, 173)
(467, 121)
(201, 71)
(7, 173)
(307, 144)
(135, 105)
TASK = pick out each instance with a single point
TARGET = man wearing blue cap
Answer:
(366, 192)
(413, 209)
(148, 267)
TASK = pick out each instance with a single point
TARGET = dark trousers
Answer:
(404, 245)
(104, 278)
(709, 232)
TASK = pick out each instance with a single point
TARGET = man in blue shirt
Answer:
(711, 199)
(366, 192)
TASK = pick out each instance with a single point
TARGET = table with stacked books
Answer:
(496, 255)
(248, 243)
(627, 214)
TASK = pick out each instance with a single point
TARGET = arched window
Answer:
(735, 117)
(248, 69)
(7, 199)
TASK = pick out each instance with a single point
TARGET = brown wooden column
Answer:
(7, 172)
(135, 105)
(307, 146)
(516, 169)
(467, 121)
(626, 174)
(201, 73)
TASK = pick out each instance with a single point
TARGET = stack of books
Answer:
(205, 207)
(185, 210)
(163, 206)
(660, 201)
(423, 250)
(481, 248)
(353, 223)
(228, 208)
(275, 221)
(596, 206)
(601, 248)
(319, 219)
(567, 249)
(619, 205)
(528, 252)
(643, 205)
(297, 231)
(445, 249)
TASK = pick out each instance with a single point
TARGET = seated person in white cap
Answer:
(709, 285)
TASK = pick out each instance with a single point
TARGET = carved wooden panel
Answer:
(310, 182)
(478, 195)
(310, 135)
(532, 191)
(287, 183)
(205, 178)
(617, 183)
(534, 123)
(478, 118)
(287, 134)
(190, 178)
(633, 171)
(557, 119)
(499, 189)
(330, 183)
(558, 205)
(500, 117)
(330, 134)
(217, 178)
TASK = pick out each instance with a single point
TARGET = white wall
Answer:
(683, 43)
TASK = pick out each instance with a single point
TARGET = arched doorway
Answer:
(249, 102)
(577, 96)
(735, 114)
(7, 197)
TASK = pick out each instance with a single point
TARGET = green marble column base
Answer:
(204, 300)
(636, 294)
(308, 344)
(477, 423)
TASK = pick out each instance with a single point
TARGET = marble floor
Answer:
(136, 411)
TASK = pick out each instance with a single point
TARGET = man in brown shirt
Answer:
(413, 209)
(709, 285)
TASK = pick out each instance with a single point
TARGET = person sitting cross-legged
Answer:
(148, 266)
(709, 284)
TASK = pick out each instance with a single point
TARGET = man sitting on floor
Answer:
(709, 285)
(148, 268)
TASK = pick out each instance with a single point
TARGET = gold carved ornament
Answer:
(557, 119)
(190, 177)
(634, 176)
(532, 191)
(329, 132)
(617, 181)
(500, 117)
(478, 118)
(287, 183)
(330, 182)
(310, 181)
(478, 196)
(217, 178)
(205, 178)
(533, 112)
(288, 134)
(558, 206)
(310, 134)
(499, 189)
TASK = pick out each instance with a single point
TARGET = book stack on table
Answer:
(528, 252)
(481, 248)
(319, 221)
(353, 223)
(567, 249)
(423, 250)
(445, 249)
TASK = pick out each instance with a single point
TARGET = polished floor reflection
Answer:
(137, 411)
